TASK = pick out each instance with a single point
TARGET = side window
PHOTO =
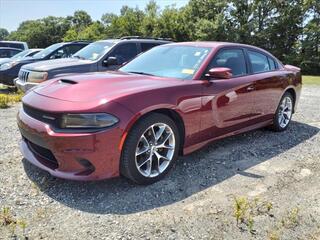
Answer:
(231, 58)
(4, 54)
(32, 53)
(272, 64)
(13, 52)
(72, 49)
(124, 52)
(60, 53)
(147, 46)
(259, 62)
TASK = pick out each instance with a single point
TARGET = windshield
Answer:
(93, 51)
(168, 61)
(20, 55)
(45, 52)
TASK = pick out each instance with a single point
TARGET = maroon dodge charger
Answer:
(171, 100)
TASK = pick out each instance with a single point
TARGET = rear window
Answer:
(8, 53)
(272, 64)
(12, 45)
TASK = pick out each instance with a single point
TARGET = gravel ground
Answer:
(276, 174)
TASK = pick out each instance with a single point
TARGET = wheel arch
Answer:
(293, 94)
(170, 112)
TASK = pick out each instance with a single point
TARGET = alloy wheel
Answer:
(155, 150)
(285, 112)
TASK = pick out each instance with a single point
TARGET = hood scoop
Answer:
(67, 81)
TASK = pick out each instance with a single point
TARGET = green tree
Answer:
(3, 33)
(42, 32)
(150, 19)
(81, 20)
(127, 24)
(310, 43)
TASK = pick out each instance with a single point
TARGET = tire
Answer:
(147, 156)
(283, 115)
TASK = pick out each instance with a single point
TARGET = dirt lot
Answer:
(274, 178)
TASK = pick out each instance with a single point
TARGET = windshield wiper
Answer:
(142, 73)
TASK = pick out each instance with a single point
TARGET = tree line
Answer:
(290, 29)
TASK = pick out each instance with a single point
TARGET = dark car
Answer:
(171, 100)
(25, 53)
(55, 51)
(7, 52)
(14, 44)
(96, 57)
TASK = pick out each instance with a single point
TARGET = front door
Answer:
(227, 103)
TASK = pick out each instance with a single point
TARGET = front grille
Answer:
(43, 116)
(23, 75)
(47, 157)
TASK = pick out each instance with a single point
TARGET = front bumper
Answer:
(7, 77)
(76, 156)
(24, 86)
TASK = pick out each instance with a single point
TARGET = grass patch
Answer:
(311, 80)
(7, 219)
(7, 99)
(245, 210)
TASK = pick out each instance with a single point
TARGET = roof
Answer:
(12, 42)
(214, 44)
(10, 48)
(135, 40)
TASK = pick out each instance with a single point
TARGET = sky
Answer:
(13, 12)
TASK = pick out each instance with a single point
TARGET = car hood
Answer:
(105, 87)
(4, 60)
(56, 64)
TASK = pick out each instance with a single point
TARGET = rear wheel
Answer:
(283, 114)
(150, 149)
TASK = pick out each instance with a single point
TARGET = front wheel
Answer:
(283, 114)
(150, 149)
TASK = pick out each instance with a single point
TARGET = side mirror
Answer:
(110, 61)
(219, 73)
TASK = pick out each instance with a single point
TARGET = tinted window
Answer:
(12, 45)
(272, 64)
(259, 62)
(8, 53)
(231, 58)
(124, 52)
(32, 53)
(147, 46)
(72, 49)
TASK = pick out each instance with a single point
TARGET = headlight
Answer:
(37, 77)
(91, 120)
(8, 65)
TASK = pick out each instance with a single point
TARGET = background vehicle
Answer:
(172, 99)
(98, 56)
(14, 44)
(25, 53)
(59, 50)
(7, 52)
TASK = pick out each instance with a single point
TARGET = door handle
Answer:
(250, 88)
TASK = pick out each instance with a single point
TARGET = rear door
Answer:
(227, 103)
(268, 84)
